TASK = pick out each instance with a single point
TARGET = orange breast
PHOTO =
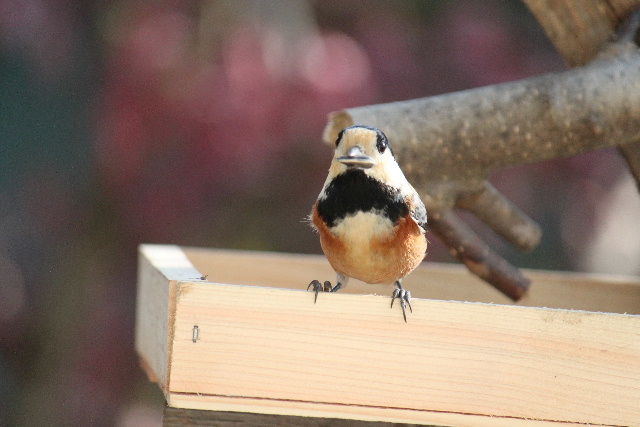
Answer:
(375, 259)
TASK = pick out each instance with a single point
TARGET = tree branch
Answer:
(561, 18)
(502, 216)
(451, 143)
(468, 248)
(448, 145)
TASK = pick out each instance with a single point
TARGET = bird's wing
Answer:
(418, 211)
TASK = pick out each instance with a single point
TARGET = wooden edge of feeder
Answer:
(270, 350)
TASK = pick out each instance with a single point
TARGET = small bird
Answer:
(371, 221)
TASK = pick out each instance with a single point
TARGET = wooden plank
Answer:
(160, 268)
(352, 350)
(573, 291)
(268, 349)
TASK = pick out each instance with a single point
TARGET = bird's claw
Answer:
(405, 299)
(316, 286)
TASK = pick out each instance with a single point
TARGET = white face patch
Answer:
(385, 169)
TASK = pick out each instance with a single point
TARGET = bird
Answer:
(372, 223)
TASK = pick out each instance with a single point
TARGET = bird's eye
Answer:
(381, 142)
(339, 137)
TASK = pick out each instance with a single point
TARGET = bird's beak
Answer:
(357, 159)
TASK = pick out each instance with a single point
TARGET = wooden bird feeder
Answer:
(237, 331)
(234, 338)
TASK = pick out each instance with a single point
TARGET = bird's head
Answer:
(367, 149)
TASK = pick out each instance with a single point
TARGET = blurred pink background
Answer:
(198, 123)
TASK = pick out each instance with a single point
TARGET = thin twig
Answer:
(468, 248)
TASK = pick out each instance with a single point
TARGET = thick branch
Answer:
(449, 144)
(580, 29)
(560, 18)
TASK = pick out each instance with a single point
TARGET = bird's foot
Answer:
(404, 297)
(317, 287)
